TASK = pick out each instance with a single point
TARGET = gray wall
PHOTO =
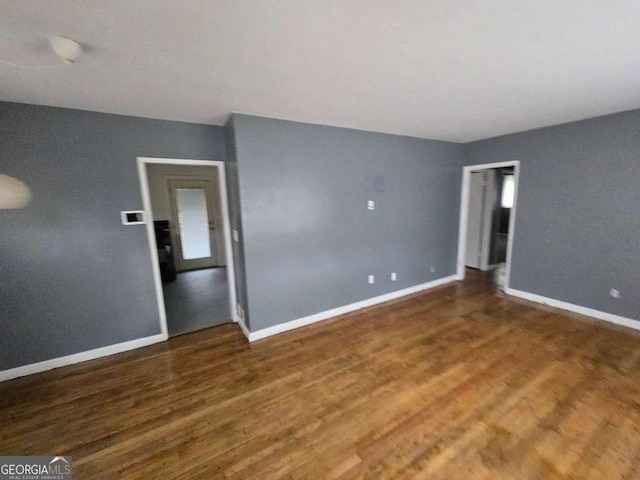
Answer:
(309, 240)
(577, 231)
(72, 278)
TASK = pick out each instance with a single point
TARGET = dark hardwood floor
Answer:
(457, 383)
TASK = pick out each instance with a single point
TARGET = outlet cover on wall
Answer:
(394, 276)
(236, 235)
(613, 293)
(240, 312)
(132, 217)
(371, 205)
(372, 279)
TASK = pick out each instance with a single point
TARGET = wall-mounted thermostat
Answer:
(132, 217)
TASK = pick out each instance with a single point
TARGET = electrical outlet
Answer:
(372, 279)
(236, 235)
(432, 269)
(371, 205)
(613, 293)
(132, 217)
(394, 276)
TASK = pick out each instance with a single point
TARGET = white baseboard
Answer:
(607, 317)
(335, 312)
(244, 328)
(80, 357)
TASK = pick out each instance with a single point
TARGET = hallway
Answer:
(197, 299)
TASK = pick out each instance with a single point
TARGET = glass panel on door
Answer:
(193, 223)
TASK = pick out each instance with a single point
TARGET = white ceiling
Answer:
(449, 69)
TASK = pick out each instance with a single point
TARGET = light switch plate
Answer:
(371, 205)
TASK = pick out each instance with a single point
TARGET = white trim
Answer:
(151, 237)
(335, 312)
(607, 317)
(512, 224)
(464, 210)
(244, 328)
(80, 357)
(151, 240)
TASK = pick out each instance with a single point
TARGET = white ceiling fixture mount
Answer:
(68, 50)
(13, 193)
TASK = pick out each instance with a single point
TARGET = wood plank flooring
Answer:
(458, 383)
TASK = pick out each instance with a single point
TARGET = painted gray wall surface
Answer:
(72, 278)
(577, 231)
(309, 240)
(235, 214)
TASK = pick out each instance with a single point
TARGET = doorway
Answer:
(487, 219)
(189, 236)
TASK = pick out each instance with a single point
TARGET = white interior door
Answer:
(475, 234)
(194, 223)
(482, 198)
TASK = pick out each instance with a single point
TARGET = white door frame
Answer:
(464, 213)
(151, 236)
